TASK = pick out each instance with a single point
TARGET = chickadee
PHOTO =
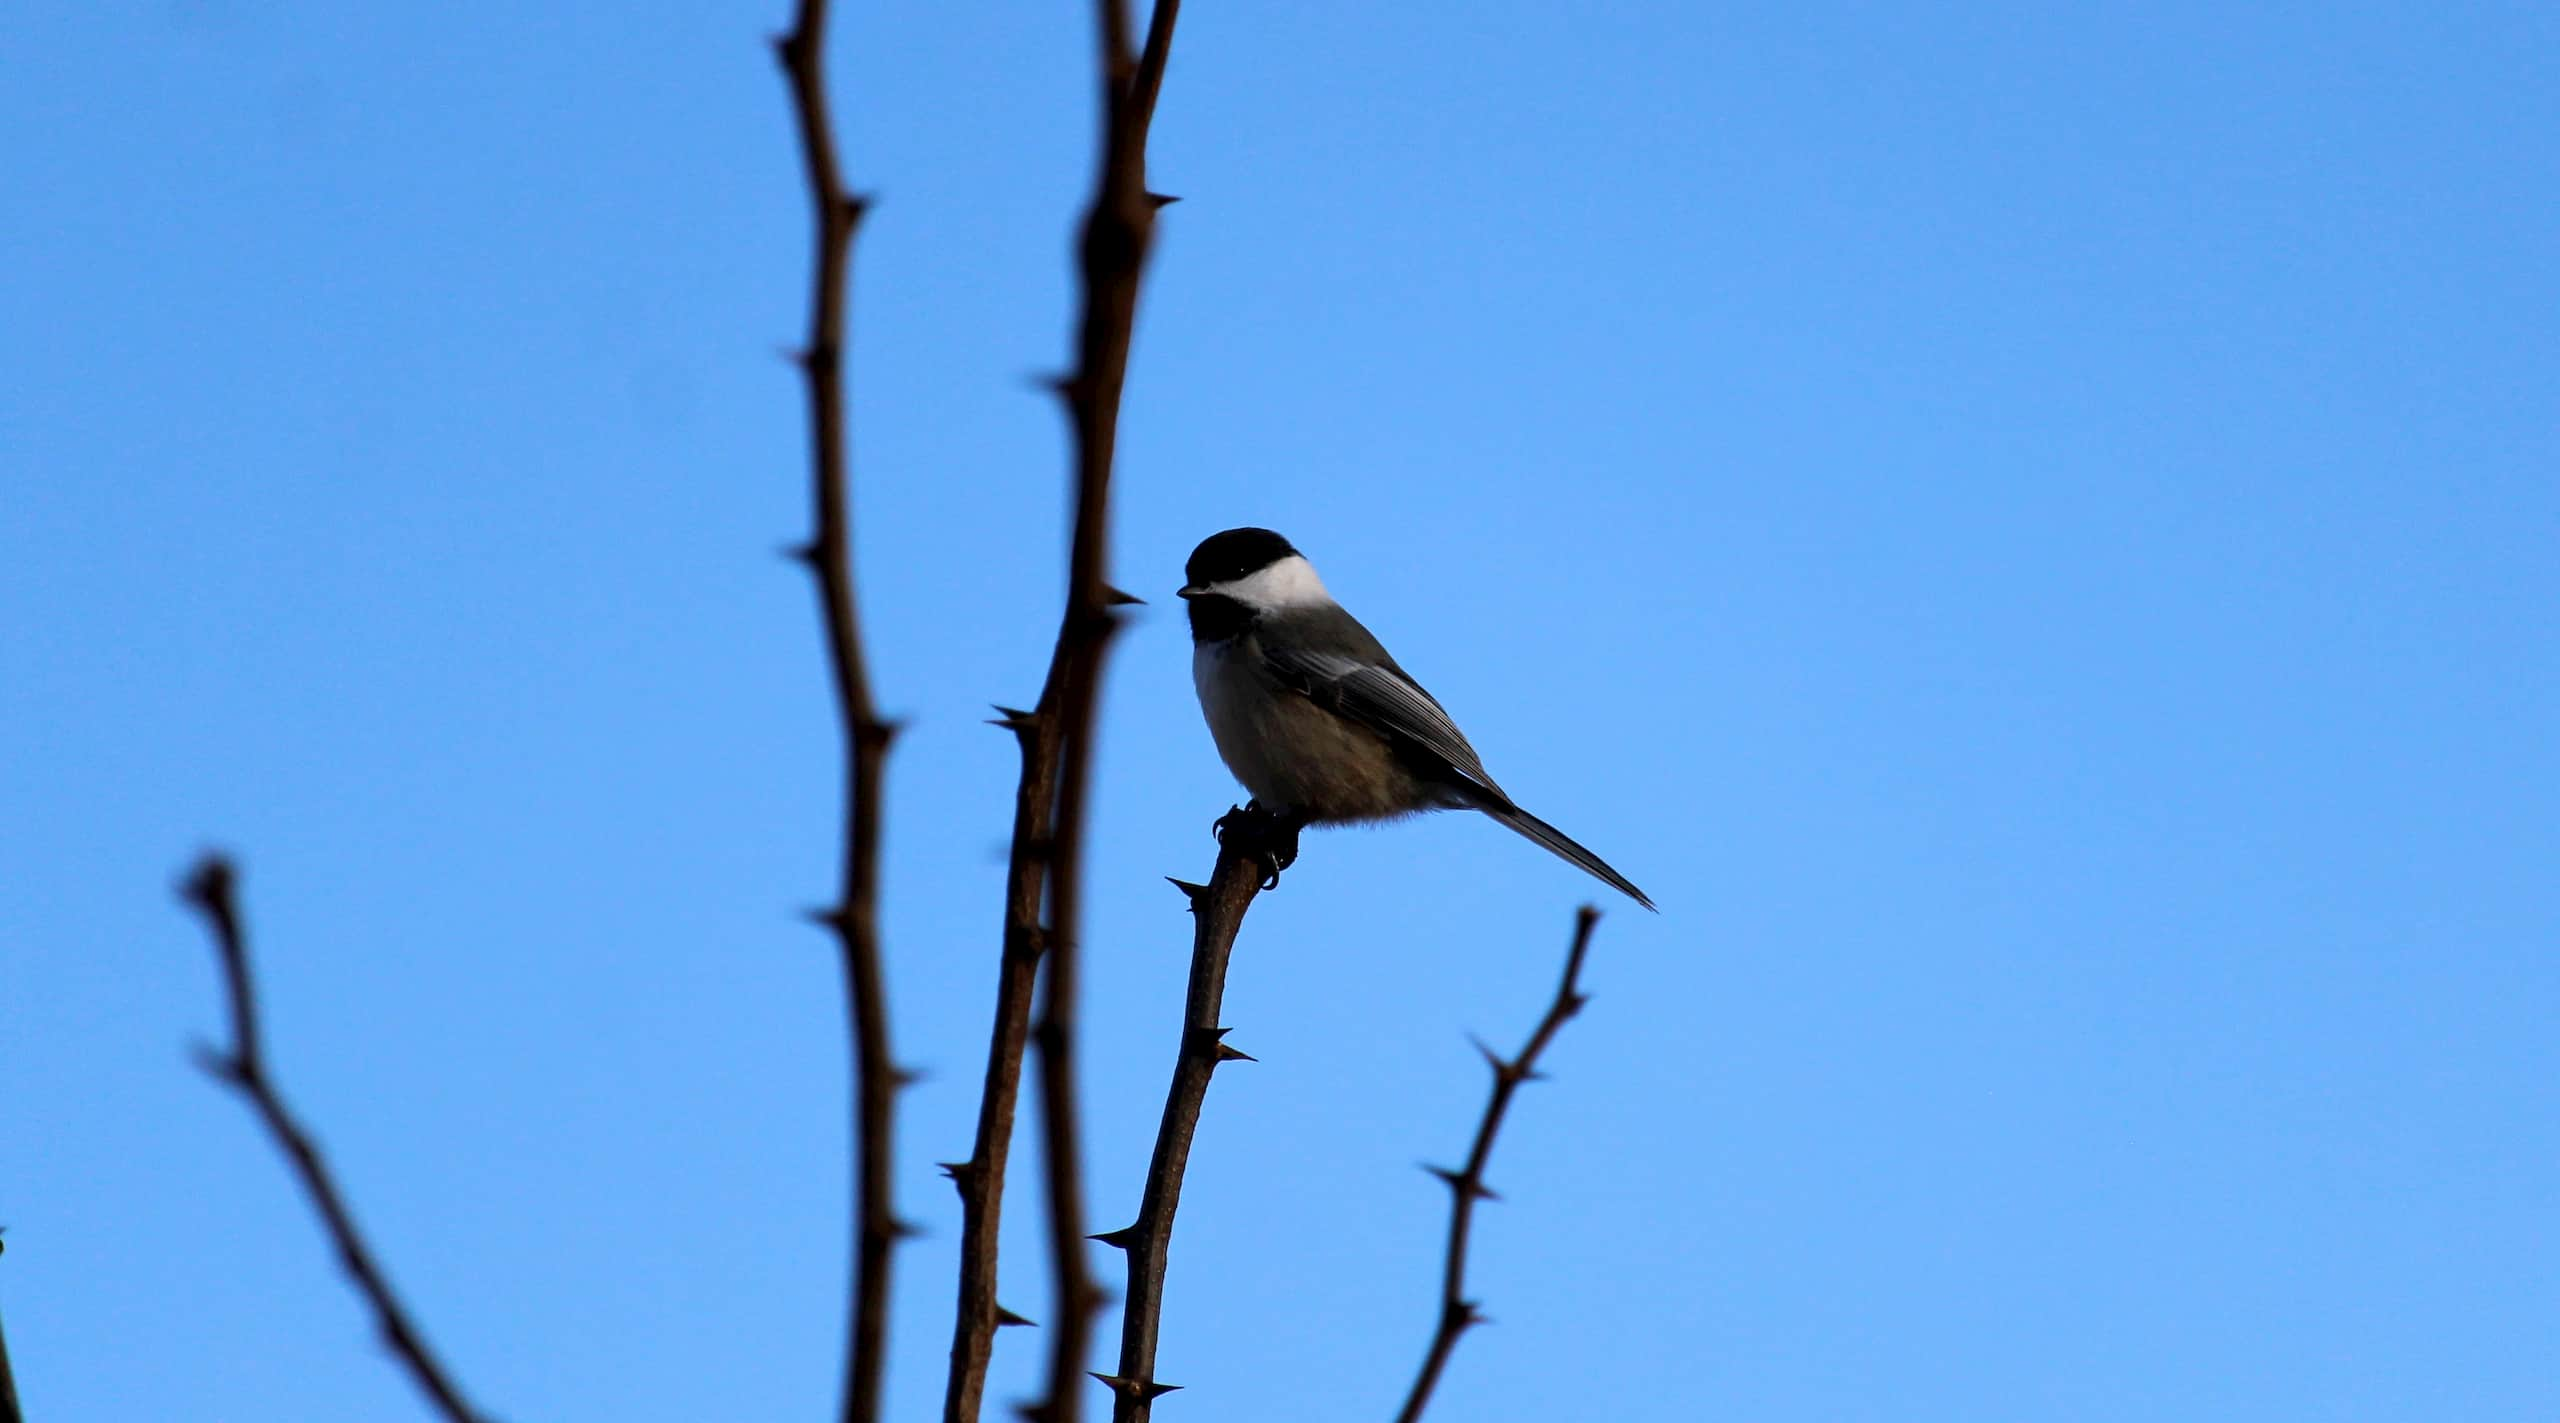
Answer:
(1315, 718)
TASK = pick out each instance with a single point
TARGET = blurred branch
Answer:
(8, 1384)
(210, 888)
(855, 918)
(1466, 1185)
(1218, 909)
(1047, 857)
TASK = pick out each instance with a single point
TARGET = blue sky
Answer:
(2029, 531)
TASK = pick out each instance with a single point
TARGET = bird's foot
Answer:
(1270, 839)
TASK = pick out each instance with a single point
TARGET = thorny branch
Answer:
(855, 917)
(1466, 1185)
(210, 888)
(1218, 909)
(1046, 861)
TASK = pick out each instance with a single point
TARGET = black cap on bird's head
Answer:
(1226, 557)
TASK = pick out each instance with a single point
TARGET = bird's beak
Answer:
(1193, 591)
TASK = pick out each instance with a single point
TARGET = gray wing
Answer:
(1338, 665)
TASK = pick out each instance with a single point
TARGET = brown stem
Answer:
(1046, 860)
(1466, 1185)
(1218, 909)
(855, 917)
(211, 889)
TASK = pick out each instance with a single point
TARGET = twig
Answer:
(1466, 1186)
(1046, 862)
(1218, 909)
(210, 888)
(855, 918)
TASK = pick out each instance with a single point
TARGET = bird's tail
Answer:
(1564, 848)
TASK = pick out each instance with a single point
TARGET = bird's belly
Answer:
(1294, 755)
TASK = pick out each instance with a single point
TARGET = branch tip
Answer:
(209, 883)
(211, 889)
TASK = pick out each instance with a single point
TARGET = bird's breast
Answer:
(1293, 754)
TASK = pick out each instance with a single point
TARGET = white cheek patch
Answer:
(1289, 583)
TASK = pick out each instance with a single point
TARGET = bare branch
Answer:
(855, 918)
(1049, 808)
(1218, 910)
(210, 888)
(980, 1179)
(1466, 1185)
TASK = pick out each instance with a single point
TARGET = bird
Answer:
(1315, 718)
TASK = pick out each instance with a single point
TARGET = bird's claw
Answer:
(1270, 839)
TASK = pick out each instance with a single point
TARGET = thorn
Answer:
(1190, 891)
(1573, 1003)
(216, 1064)
(1161, 201)
(902, 1078)
(1032, 1412)
(828, 917)
(1006, 1318)
(881, 730)
(1121, 1239)
(1459, 1183)
(1146, 1389)
(805, 554)
(905, 1230)
(1121, 597)
(1492, 1059)
(960, 1173)
(1233, 1054)
(1469, 1316)
(853, 206)
(1012, 718)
